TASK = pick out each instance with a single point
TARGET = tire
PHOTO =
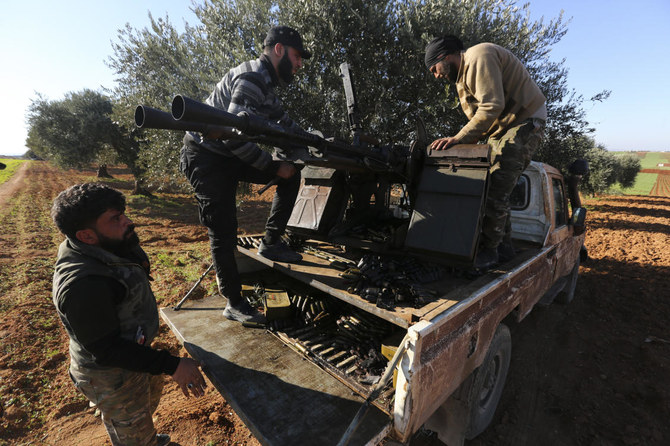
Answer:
(488, 382)
(566, 295)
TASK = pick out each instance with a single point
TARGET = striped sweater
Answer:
(249, 87)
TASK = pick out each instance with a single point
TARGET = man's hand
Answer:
(286, 170)
(444, 143)
(188, 377)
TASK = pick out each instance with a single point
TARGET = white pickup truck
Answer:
(293, 385)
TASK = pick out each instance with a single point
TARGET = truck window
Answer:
(520, 197)
(559, 203)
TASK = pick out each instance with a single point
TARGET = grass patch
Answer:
(176, 272)
(170, 206)
(652, 160)
(643, 184)
(12, 166)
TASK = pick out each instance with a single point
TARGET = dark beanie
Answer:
(441, 46)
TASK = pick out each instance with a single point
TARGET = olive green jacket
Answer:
(137, 312)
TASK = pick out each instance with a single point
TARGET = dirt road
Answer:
(9, 187)
(595, 372)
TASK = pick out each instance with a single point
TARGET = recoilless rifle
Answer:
(349, 185)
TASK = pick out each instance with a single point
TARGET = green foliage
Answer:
(32, 156)
(643, 184)
(627, 168)
(77, 130)
(70, 132)
(602, 171)
(12, 166)
(606, 169)
(384, 43)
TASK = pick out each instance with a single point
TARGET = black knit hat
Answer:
(440, 47)
(286, 36)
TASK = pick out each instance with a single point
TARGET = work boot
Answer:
(162, 440)
(243, 312)
(279, 252)
(486, 258)
(506, 251)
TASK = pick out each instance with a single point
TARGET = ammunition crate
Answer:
(277, 305)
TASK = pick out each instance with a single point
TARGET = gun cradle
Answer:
(390, 216)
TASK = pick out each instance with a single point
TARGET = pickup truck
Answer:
(301, 380)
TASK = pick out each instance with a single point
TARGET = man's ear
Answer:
(87, 236)
(279, 49)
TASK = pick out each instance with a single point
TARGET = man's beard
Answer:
(129, 241)
(452, 72)
(285, 69)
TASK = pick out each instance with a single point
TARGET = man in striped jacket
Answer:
(214, 166)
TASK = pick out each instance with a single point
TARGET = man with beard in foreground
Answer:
(102, 293)
(214, 166)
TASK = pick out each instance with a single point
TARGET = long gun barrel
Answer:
(191, 115)
(152, 118)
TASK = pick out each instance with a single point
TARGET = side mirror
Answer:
(577, 220)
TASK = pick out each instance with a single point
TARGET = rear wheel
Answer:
(488, 382)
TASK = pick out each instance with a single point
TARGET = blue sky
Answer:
(57, 47)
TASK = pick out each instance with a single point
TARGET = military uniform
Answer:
(124, 381)
(504, 105)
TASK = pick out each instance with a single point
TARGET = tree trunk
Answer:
(102, 171)
(139, 189)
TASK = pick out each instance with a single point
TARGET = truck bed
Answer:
(278, 394)
(282, 392)
(451, 289)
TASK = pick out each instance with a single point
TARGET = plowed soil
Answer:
(595, 372)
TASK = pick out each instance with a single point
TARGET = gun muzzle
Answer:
(152, 118)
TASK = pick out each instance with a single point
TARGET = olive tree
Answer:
(78, 130)
(384, 43)
(627, 168)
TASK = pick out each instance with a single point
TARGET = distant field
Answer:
(12, 165)
(652, 179)
(643, 184)
(651, 160)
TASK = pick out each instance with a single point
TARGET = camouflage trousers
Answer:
(127, 401)
(511, 155)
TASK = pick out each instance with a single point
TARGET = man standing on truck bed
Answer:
(214, 166)
(504, 105)
(102, 293)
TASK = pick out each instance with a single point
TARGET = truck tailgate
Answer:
(282, 398)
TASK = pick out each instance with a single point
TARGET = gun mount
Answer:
(380, 197)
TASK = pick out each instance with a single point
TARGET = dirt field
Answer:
(595, 372)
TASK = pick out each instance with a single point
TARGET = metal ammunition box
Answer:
(277, 305)
(450, 201)
(320, 201)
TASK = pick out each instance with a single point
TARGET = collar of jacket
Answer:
(136, 255)
(267, 63)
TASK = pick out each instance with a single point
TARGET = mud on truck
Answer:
(384, 327)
